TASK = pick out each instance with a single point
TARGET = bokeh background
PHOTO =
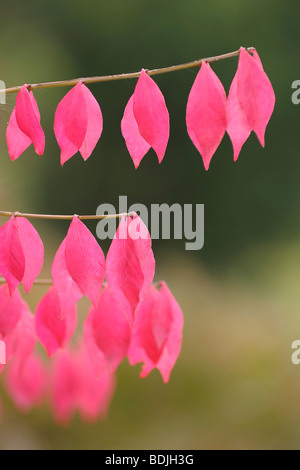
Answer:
(234, 385)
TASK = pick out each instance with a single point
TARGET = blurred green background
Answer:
(234, 386)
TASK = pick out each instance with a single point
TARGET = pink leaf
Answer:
(238, 128)
(70, 122)
(95, 391)
(106, 333)
(26, 384)
(75, 387)
(53, 332)
(157, 332)
(10, 310)
(64, 386)
(28, 119)
(17, 141)
(130, 265)
(206, 113)
(148, 110)
(67, 290)
(78, 123)
(23, 337)
(33, 250)
(94, 124)
(136, 145)
(255, 93)
(12, 260)
(84, 260)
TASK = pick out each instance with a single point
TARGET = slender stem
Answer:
(37, 282)
(62, 217)
(48, 282)
(125, 76)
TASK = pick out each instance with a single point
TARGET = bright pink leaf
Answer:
(146, 120)
(12, 260)
(70, 122)
(206, 113)
(10, 310)
(238, 128)
(95, 391)
(106, 333)
(23, 337)
(17, 141)
(33, 250)
(255, 93)
(136, 145)
(130, 265)
(66, 288)
(52, 331)
(26, 384)
(75, 387)
(157, 332)
(64, 386)
(94, 123)
(84, 260)
(28, 119)
(78, 123)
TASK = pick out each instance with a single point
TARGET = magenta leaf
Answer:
(70, 122)
(255, 93)
(78, 123)
(130, 265)
(145, 122)
(84, 260)
(23, 336)
(33, 250)
(12, 260)
(52, 331)
(11, 307)
(206, 113)
(136, 145)
(26, 385)
(28, 119)
(95, 391)
(157, 333)
(17, 141)
(106, 333)
(74, 386)
(67, 290)
(238, 128)
(94, 124)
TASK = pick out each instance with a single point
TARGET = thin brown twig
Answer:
(124, 76)
(40, 282)
(48, 282)
(62, 217)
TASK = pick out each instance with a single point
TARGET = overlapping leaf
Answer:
(145, 121)
(206, 113)
(157, 332)
(21, 253)
(106, 333)
(24, 126)
(130, 265)
(78, 123)
(251, 101)
(54, 332)
(85, 260)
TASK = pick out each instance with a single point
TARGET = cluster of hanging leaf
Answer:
(130, 316)
(145, 124)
